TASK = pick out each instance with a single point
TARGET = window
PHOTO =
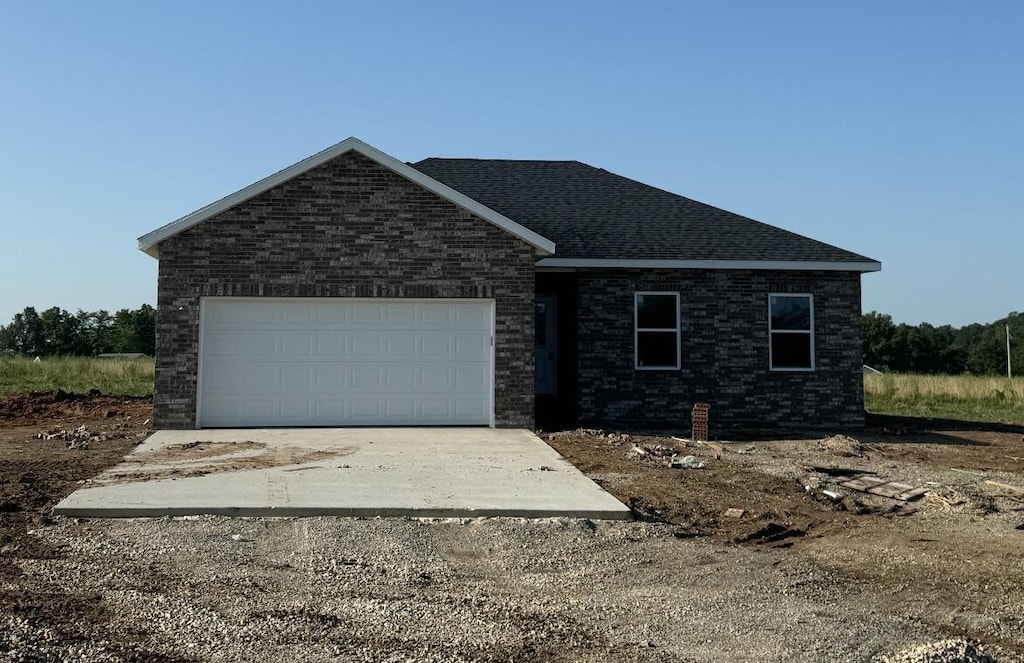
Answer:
(656, 330)
(791, 332)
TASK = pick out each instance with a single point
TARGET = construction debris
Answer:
(836, 471)
(78, 438)
(861, 480)
(876, 486)
(653, 450)
(1016, 490)
(734, 513)
(685, 463)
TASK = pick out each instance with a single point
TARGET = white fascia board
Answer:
(150, 241)
(788, 265)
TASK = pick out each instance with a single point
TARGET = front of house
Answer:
(355, 289)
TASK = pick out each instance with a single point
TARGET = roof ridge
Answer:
(422, 161)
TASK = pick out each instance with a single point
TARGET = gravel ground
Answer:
(322, 589)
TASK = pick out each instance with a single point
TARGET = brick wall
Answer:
(724, 351)
(348, 228)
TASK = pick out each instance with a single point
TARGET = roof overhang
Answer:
(783, 265)
(149, 243)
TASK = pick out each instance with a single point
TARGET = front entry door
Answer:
(544, 344)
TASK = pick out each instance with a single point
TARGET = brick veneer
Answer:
(724, 351)
(348, 228)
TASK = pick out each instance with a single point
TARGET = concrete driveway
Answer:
(418, 472)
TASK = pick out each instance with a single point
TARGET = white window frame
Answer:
(637, 329)
(808, 332)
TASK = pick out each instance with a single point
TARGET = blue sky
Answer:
(893, 129)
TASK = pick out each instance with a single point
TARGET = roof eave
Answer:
(863, 266)
(149, 243)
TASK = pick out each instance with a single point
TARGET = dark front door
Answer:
(544, 344)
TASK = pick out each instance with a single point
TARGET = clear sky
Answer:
(892, 129)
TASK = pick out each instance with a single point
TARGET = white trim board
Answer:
(626, 263)
(149, 242)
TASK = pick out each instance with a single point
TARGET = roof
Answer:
(598, 218)
(149, 242)
(594, 217)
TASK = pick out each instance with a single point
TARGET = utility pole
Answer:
(1009, 366)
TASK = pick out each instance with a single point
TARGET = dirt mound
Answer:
(37, 405)
(842, 445)
(944, 651)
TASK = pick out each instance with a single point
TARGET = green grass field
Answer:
(77, 374)
(962, 397)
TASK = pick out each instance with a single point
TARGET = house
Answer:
(354, 289)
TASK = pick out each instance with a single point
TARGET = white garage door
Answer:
(345, 362)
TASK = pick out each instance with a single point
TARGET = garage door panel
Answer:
(401, 315)
(436, 317)
(469, 408)
(399, 409)
(471, 345)
(366, 377)
(365, 409)
(296, 344)
(437, 377)
(328, 362)
(331, 345)
(220, 345)
(471, 378)
(331, 376)
(366, 345)
(398, 345)
(293, 409)
(296, 377)
(400, 378)
(367, 314)
(259, 345)
(473, 317)
(295, 314)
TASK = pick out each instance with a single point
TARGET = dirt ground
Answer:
(35, 474)
(951, 562)
(953, 559)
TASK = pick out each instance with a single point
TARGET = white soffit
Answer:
(150, 241)
(627, 263)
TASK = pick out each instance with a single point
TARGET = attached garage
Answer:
(345, 362)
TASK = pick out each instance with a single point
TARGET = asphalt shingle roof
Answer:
(591, 213)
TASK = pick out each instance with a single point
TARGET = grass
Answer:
(962, 397)
(77, 374)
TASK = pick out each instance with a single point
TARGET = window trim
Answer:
(808, 332)
(637, 330)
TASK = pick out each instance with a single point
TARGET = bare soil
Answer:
(953, 559)
(35, 474)
(950, 561)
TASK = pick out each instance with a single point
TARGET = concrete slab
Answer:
(418, 472)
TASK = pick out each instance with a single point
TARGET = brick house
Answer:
(354, 289)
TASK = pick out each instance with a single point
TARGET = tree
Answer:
(57, 332)
(135, 331)
(876, 338)
(25, 333)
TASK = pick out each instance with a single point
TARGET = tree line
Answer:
(979, 349)
(85, 333)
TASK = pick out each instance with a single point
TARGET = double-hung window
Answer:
(656, 330)
(791, 332)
